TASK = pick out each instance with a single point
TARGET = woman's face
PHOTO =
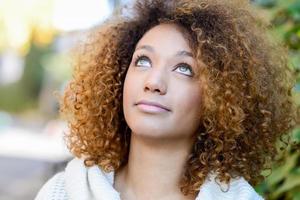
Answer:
(162, 72)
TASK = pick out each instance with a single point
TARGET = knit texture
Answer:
(78, 182)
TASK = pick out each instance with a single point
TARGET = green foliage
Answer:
(266, 3)
(284, 181)
(24, 94)
(289, 18)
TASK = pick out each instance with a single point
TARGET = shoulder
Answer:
(238, 188)
(53, 189)
(241, 189)
(72, 183)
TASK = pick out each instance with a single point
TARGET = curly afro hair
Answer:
(247, 102)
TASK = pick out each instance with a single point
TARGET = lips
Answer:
(152, 103)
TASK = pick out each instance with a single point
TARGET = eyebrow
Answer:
(179, 53)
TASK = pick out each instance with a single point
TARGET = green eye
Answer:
(142, 61)
(184, 69)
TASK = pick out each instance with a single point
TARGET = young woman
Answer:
(175, 100)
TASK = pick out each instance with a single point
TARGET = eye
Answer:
(142, 61)
(185, 69)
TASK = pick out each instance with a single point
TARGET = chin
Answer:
(152, 133)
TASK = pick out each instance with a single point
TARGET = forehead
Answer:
(166, 37)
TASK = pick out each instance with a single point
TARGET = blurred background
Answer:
(35, 39)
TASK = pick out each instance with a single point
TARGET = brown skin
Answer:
(163, 77)
(246, 84)
(160, 142)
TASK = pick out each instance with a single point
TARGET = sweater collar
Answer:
(86, 183)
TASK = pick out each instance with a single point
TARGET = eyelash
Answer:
(146, 58)
(139, 57)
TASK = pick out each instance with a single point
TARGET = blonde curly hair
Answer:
(247, 95)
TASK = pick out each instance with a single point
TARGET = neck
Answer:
(154, 168)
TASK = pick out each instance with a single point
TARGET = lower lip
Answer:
(151, 109)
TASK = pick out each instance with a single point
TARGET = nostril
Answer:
(155, 86)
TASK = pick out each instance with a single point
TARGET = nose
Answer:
(156, 82)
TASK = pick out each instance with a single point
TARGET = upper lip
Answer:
(152, 103)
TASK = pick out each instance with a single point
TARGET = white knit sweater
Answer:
(78, 182)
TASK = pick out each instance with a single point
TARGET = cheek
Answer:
(129, 91)
(195, 100)
(188, 104)
(189, 99)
